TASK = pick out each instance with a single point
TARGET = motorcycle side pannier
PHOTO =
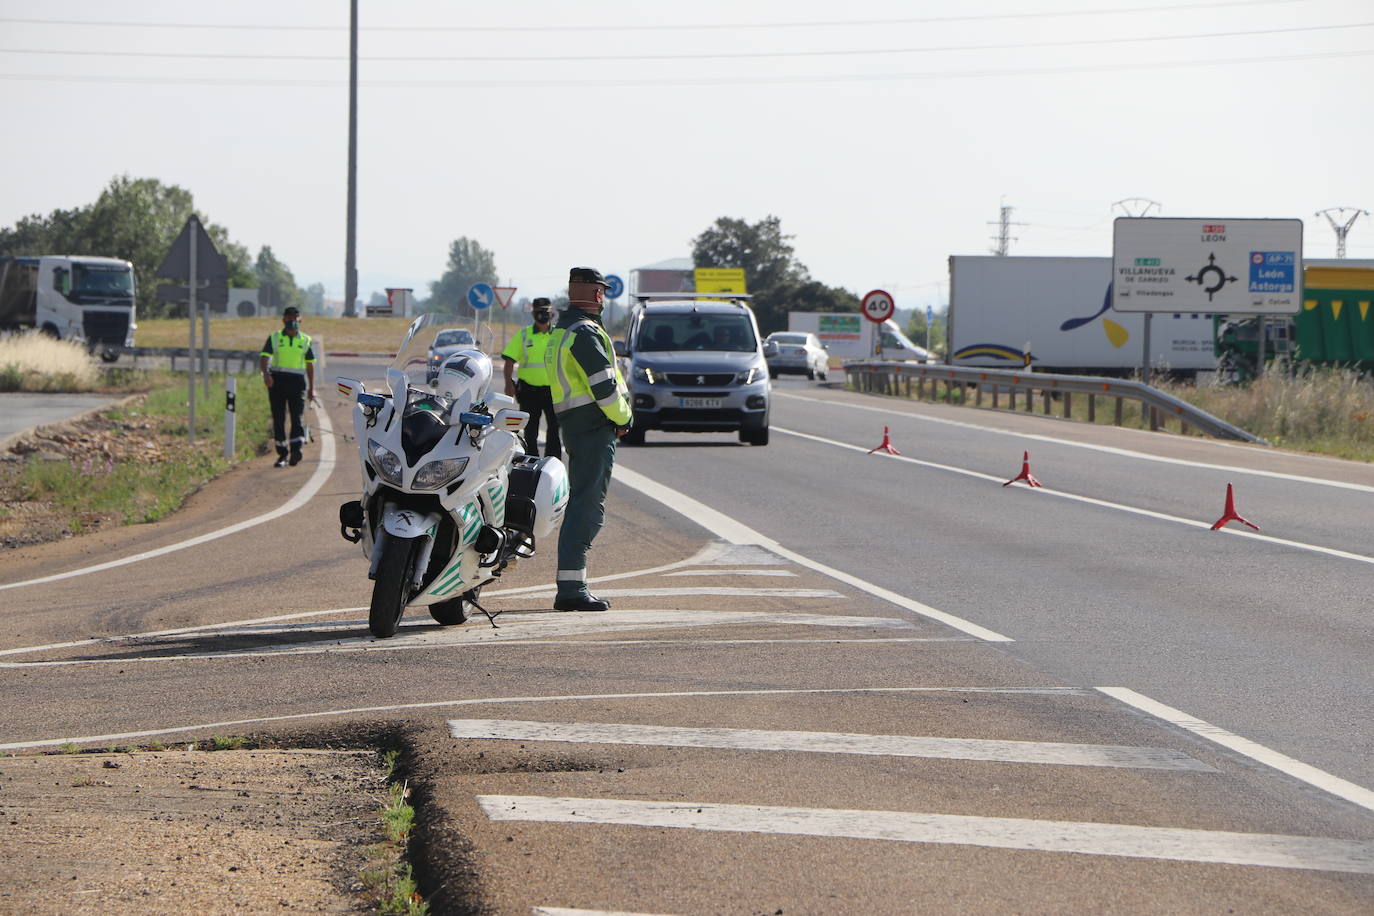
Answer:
(537, 495)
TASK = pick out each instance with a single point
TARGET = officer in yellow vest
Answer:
(288, 371)
(531, 386)
(593, 406)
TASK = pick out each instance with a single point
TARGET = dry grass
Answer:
(358, 335)
(1329, 411)
(35, 362)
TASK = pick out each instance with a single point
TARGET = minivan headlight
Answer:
(385, 461)
(750, 376)
(437, 473)
(646, 374)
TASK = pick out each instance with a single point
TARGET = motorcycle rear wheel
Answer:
(391, 590)
(455, 610)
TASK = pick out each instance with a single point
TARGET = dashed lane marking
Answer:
(1172, 844)
(567, 698)
(303, 496)
(1309, 774)
(748, 739)
(737, 533)
(514, 628)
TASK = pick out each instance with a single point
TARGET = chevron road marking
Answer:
(1174, 844)
(1149, 758)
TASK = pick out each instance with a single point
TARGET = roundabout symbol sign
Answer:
(877, 306)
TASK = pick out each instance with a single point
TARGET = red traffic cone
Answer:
(885, 446)
(1229, 514)
(1025, 473)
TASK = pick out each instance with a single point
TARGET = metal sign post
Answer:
(877, 306)
(193, 258)
(191, 349)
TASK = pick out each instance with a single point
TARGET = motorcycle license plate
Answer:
(700, 403)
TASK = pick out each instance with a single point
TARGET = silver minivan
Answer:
(695, 362)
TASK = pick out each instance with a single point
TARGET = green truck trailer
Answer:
(1334, 328)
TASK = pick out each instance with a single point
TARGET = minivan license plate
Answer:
(700, 403)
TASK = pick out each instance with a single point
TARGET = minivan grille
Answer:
(700, 379)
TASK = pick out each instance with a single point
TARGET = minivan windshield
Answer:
(696, 331)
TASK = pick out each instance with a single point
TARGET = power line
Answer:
(714, 55)
(658, 27)
(654, 82)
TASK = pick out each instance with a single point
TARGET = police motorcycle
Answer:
(449, 498)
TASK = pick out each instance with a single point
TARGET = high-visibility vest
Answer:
(569, 385)
(529, 348)
(288, 353)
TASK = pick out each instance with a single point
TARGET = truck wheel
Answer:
(50, 330)
(391, 591)
(109, 356)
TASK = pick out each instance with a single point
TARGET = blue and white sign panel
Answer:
(481, 295)
(617, 286)
(1212, 266)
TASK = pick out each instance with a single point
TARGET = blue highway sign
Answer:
(481, 295)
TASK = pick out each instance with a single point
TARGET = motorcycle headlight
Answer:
(646, 374)
(386, 462)
(750, 376)
(437, 473)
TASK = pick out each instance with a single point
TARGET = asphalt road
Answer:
(20, 411)
(831, 681)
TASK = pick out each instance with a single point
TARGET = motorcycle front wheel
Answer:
(391, 590)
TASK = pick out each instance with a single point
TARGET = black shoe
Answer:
(295, 459)
(583, 602)
(280, 463)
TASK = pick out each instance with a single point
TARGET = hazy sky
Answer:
(885, 135)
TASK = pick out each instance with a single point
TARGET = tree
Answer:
(135, 219)
(468, 263)
(777, 281)
(277, 287)
(314, 299)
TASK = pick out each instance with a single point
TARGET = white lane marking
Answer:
(154, 634)
(1088, 500)
(1307, 773)
(1172, 844)
(571, 698)
(750, 739)
(735, 532)
(684, 591)
(1111, 450)
(416, 633)
(706, 556)
(780, 573)
(302, 496)
(510, 644)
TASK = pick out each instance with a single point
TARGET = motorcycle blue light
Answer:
(474, 419)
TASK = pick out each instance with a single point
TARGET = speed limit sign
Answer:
(877, 306)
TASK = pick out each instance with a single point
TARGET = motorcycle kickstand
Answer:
(490, 616)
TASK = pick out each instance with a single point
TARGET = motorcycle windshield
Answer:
(440, 357)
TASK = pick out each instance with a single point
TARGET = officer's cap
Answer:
(541, 304)
(587, 275)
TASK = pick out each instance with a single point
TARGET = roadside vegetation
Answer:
(126, 465)
(390, 878)
(356, 335)
(37, 362)
(1325, 411)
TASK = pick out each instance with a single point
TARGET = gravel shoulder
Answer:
(189, 831)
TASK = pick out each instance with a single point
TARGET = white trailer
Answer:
(1057, 312)
(88, 299)
(849, 335)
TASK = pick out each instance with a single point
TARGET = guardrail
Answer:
(990, 384)
(246, 358)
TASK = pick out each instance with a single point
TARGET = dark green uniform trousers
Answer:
(589, 448)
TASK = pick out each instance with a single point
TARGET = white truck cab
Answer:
(88, 299)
